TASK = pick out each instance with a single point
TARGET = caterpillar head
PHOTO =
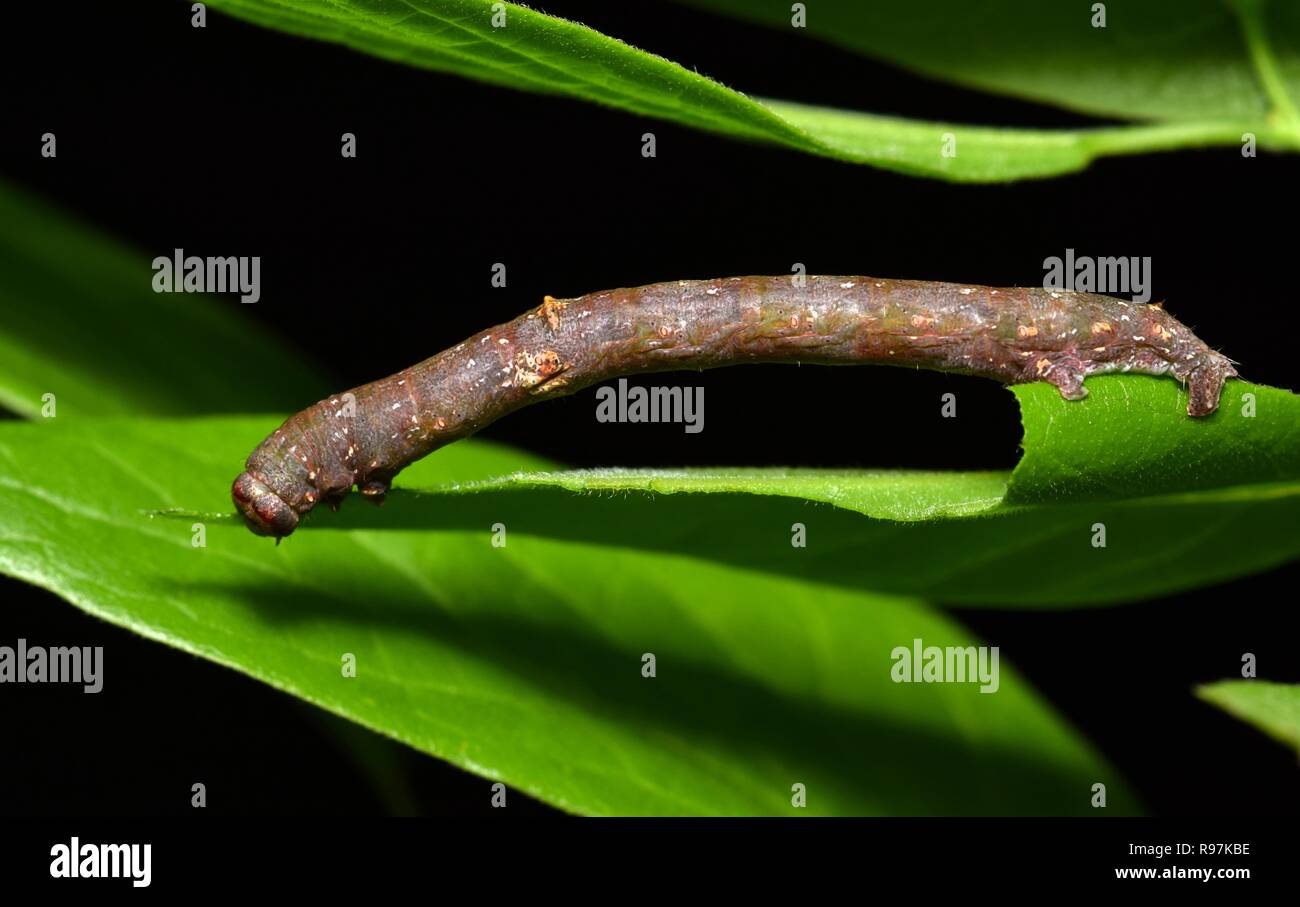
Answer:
(265, 512)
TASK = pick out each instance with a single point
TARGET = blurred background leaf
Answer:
(1274, 708)
(79, 319)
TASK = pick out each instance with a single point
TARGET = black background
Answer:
(225, 141)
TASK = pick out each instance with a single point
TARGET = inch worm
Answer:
(366, 436)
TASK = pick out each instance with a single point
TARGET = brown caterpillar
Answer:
(366, 436)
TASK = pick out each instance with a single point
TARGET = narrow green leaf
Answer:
(536, 52)
(1274, 708)
(79, 320)
(524, 662)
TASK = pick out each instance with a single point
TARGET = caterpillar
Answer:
(366, 436)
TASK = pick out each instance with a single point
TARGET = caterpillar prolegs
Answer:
(366, 436)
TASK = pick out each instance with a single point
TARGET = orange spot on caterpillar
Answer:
(1103, 327)
(1026, 330)
(550, 310)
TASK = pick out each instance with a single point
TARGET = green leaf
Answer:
(1184, 502)
(1274, 708)
(1154, 59)
(541, 53)
(1132, 438)
(524, 663)
(79, 320)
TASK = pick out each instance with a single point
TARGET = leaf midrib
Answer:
(1254, 491)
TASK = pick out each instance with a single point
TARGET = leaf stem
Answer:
(1177, 135)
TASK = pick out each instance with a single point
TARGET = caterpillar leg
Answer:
(1065, 373)
(375, 491)
(1205, 384)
